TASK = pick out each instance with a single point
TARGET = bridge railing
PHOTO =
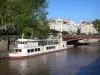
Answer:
(73, 37)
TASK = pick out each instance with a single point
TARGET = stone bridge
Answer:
(80, 37)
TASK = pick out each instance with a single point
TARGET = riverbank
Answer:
(3, 54)
(3, 46)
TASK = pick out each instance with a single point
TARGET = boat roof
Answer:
(35, 39)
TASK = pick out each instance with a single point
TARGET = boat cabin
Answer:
(27, 43)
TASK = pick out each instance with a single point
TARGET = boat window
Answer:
(31, 41)
(38, 49)
(52, 47)
(28, 50)
(35, 49)
(32, 50)
(25, 42)
(21, 42)
(17, 50)
(20, 50)
(49, 47)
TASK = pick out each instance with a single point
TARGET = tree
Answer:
(96, 24)
(64, 33)
(78, 31)
(54, 32)
(38, 21)
(22, 16)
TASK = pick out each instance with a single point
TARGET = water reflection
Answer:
(4, 68)
(46, 64)
(27, 66)
(66, 62)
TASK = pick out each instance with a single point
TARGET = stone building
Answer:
(87, 27)
(63, 25)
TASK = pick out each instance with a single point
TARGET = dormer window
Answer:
(64, 22)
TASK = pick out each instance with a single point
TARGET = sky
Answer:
(74, 9)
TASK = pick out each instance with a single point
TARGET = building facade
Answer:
(87, 27)
(63, 25)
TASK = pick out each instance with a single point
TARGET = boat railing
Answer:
(23, 45)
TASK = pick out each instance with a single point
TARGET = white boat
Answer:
(29, 47)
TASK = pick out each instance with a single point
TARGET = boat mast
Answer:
(22, 35)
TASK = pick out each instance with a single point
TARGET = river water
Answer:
(66, 62)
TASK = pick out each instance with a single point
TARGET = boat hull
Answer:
(42, 53)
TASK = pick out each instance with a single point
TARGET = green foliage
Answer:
(14, 14)
(54, 32)
(64, 33)
(24, 16)
(78, 31)
(96, 24)
(26, 31)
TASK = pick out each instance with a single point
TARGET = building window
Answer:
(64, 22)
